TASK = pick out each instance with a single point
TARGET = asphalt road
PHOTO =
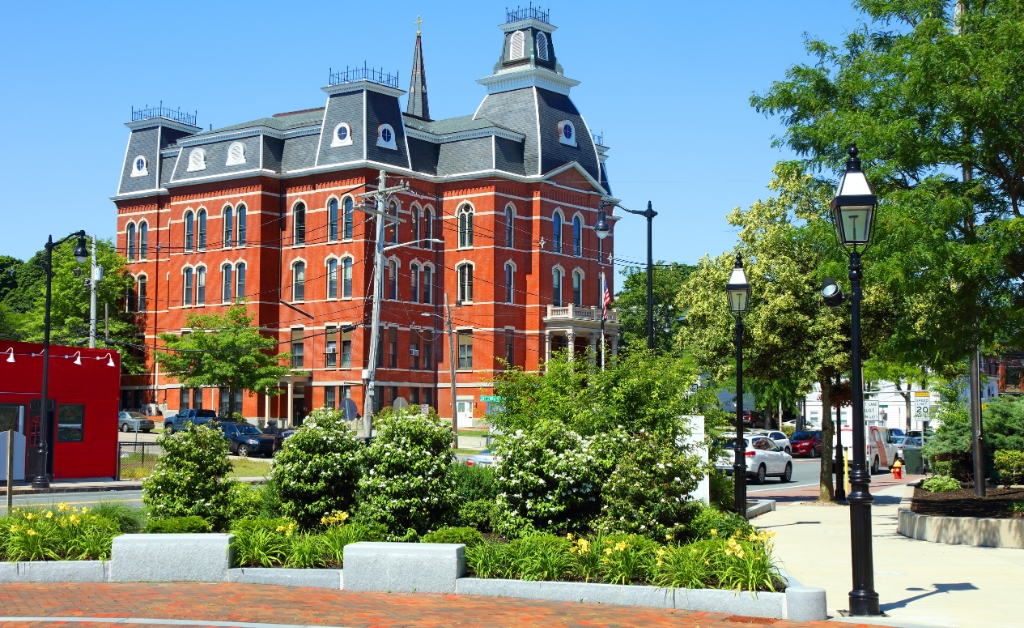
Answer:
(88, 499)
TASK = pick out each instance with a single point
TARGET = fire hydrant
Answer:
(897, 470)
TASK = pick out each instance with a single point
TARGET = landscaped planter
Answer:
(310, 578)
(171, 557)
(55, 571)
(976, 531)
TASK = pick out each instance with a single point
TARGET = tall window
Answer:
(510, 347)
(517, 46)
(186, 297)
(347, 229)
(414, 274)
(299, 224)
(556, 287)
(239, 281)
(414, 223)
(129, 235)
(465, 226)
(465, 283)
(542, 46)
(332, 279)
(201, 244)
(577, 236)
(393, 347)
(201, 285)
(332, 220)
(510, 227)
(143, 240)
(141, 292)
(556, 230)
(428, 349)
(346, 348)
(465, 349)
(346, 278)
(577, 288)
(391, 228)
(509, 282)
(414, 349)
(299, 282)
(227, 283)
(189, 230)
(298, 348)
(393, 280)
(331, 348)
(329, 396)
(427, 281)
(428, 228)
(241, 225)
(229, 227)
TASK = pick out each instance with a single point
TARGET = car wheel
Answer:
(124, 428)
(874, 466)
(788, 474)
(243, 451)
(761, 472)
(169, 428)
(789, 451)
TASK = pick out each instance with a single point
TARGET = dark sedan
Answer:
(246, 439)
(806, 443)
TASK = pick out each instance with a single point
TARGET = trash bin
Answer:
(913, 461)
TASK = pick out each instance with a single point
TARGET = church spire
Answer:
(417, 105)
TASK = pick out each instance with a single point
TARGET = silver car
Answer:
(482, 459)
(134, 422)
(763, 458)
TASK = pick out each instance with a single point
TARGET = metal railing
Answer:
(160, 111)
(350, 75)
(580, 313)
(526, 13)
(136, 461)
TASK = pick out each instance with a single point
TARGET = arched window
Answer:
(556, 230)
(227, 284)
(140, 291)
(577, 288)
(556, 286)
(143, 240)
(239, 281)
(510, 275)
(393, 280)
(427, 281)
(577, 236)
(391, 228)
(229, 227)
(347, 230)
(414, 223)
(346, 278)
(299, 281)
(332, 220)
(414, 284)
(299, 224)
(186, 296)
(465, 227)
(241, 225)
(129, 236)
(517, 46)
(189, 230)
(510, 227)
(201, 285)
(332, 279)
(428, 228)
(466, 283)
(201, 244)
(542, 46)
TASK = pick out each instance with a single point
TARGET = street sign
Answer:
(491, 398)
(922, 405)
(871, 411)
(424, 408)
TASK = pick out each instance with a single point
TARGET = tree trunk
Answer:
(826, 491)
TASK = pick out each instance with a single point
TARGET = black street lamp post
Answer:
(649, 214)
(738, 291)
(854, 207)
(81, 254)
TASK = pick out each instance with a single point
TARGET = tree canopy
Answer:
(631, 302)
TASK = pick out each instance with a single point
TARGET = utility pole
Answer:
(380, 197)
(451, 366)
(95, 275)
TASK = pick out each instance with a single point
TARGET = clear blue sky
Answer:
(667, 82)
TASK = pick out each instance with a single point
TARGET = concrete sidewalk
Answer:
(919, 583)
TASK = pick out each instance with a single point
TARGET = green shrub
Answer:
(721, 490)
(474, 483)
(260, 546)
(741, 563)
(190, 479)
(306, 551)
(709, 523)
(467, 536)
(250, 501)
(478, 514)
(178, 525)
(408, 487)
(941, 484)
(129, 520)
(318, 469)
(540, 556)
(60, 533)
(338, 536)
(788, 430)
(626, 558)
(1010, 465)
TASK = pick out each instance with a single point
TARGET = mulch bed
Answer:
(997, 503)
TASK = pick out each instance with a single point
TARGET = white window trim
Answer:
(543, 52)
(196, 160)
(518, 37)
(136, 171)
(464, 208)
(380, 137)
(335, 142)
(236, 154)
(561, 136)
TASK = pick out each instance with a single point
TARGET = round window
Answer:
(385, 134)
(567, 131)
(343, 133)
(140, 164)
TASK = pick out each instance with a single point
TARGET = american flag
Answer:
(606, 297)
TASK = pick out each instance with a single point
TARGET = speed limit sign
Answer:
(922, 405)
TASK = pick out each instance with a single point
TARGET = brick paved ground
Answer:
(281, 605)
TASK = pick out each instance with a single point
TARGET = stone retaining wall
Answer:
(976, 531)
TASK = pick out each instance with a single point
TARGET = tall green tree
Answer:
(631, 302)
(224, 350)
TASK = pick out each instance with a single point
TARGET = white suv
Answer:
(763, 458)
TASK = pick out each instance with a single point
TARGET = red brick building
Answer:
(267, 211)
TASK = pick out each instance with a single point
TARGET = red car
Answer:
(806, 443)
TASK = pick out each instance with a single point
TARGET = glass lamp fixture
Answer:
(738, 289)
(854, 204)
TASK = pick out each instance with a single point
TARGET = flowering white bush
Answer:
(408, 487)
(318, 468)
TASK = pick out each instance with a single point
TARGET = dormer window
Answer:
(139, 168)
(197, 160)
(386, 137)
(517, 46)
(542, 46)
(567, 133)
(342, 135)
(236, 154)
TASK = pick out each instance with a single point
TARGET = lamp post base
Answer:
(40, 481)
(864, 604)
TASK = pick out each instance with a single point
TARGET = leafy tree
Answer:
(224, 350)
(631, 302)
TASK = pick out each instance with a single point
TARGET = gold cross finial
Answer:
(417, 23)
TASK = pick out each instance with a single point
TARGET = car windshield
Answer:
(802, 436)
(137, 415)
(731, 443)
(248, 430)
(206, 414)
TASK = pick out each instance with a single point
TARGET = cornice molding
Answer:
(360, 85)
(521, 78)
(161, 121)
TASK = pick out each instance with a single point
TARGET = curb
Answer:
(762, 506)
(971, 531)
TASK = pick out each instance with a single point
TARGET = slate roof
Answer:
(452, 125)
(280, 122)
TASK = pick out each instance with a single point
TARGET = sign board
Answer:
(871, 416)
(491, 398)
(922, 405)
(424, 408)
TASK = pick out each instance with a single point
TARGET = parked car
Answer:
(764, 458)
(781, 440)
(895, 431)
(917, 433)
(134, 422)
(180, 421)
(903, 442)
(482, 459)
(806, 443)
(247, 439)
(879, 447)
